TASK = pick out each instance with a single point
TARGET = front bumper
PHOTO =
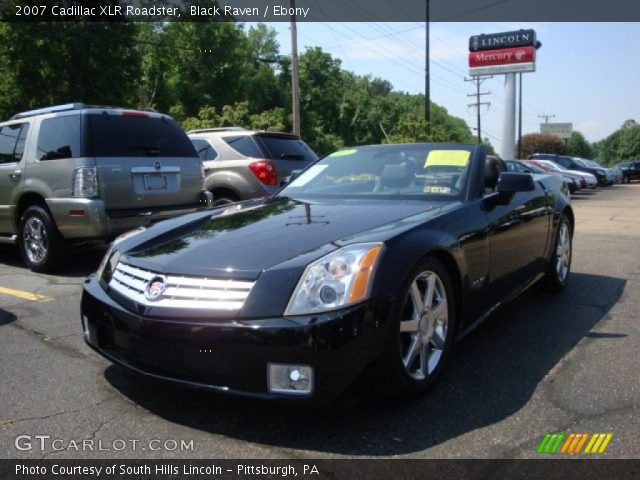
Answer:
(232, 355)
(86, 218)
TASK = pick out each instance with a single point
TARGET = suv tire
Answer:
(41, 245)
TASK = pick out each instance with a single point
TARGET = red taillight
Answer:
(129, 113)
(265, 171)
(583, 183)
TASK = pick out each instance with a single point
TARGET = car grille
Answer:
(180, 291)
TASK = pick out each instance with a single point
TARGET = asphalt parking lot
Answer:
(546, 363)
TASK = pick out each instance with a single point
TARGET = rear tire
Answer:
(557, 274)
(41, 245)
(421, 332)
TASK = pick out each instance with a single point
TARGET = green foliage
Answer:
(623, 144)
(577, 146)
(541, 143)
(210, 74)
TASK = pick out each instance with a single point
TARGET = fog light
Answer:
(291, 379)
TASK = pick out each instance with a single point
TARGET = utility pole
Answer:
(295, 84)
(478, 104)
(546, 117)
(427, 80)
(520, 116)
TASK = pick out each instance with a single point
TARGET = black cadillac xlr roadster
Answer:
(366, 261)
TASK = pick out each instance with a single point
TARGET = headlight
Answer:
(336, 280)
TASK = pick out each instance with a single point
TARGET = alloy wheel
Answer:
(36, 243)
(563, 252)
(423, 325)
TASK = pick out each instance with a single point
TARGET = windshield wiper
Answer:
(292, 156)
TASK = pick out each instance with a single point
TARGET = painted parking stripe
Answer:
(34, 297)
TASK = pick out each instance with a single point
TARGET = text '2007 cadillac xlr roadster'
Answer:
(364, 262)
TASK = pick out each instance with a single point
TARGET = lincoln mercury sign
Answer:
(562, 130)
(493, 41)
(509, 52)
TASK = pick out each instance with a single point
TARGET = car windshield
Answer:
(532, 168)
(399, 171)
(552, 166)
(580, 162)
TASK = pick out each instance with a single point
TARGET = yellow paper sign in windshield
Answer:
(343, 153)
(453, 158)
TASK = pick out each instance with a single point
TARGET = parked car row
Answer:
(629, 171)
(603, 175)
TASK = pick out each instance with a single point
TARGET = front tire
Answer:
(557, 274)
(421, 333)
(41, 245)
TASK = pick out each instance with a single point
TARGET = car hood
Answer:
(243, 240)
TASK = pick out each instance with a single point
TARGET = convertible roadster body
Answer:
(363, 262)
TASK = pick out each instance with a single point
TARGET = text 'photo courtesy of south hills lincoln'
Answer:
(319, 239)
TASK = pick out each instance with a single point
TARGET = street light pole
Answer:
(295, 84)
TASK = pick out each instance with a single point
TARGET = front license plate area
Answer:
(155, 182)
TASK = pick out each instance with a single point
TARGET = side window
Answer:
(8, 139)
(245, 145)
(564, 162)
(59, 137)
(205, 151)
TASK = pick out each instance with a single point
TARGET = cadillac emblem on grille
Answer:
(155, 288)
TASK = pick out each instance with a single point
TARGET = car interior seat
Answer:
(397, 175)
(493, 167)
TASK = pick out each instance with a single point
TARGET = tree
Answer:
(51, 63)
(623, 144)
(577, 146)
(541, 143)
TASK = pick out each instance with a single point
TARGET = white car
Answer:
(591, 180)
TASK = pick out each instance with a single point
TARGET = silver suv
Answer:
(241, 164)
(74, 173)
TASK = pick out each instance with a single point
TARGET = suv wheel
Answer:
(41, 245)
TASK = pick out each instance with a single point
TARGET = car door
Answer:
(12, 142)
(519, 234)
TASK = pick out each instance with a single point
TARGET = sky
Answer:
(586, 73)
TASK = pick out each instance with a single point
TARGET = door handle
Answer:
(15, 174)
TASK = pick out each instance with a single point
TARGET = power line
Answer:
(546, 117)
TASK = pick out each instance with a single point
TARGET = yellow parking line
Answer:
(34, 297)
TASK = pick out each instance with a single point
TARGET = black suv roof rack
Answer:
(53, 109)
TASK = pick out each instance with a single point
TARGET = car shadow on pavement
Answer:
(80, 262)
(6, 317)
(491, 375)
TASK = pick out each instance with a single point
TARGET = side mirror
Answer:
(512, 182)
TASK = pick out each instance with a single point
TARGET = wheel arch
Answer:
(26, 200)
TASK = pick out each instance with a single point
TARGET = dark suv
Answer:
(630, 171)
(571, 163)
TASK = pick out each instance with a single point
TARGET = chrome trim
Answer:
(180, 291)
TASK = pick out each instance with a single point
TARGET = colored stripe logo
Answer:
(573, 443)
